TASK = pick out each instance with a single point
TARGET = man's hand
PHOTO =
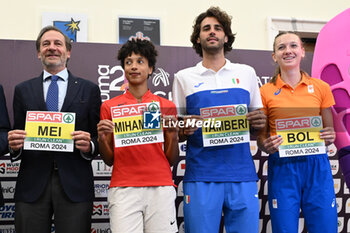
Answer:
(82, 141)
(189, 129)
(16, 139)
(257, 119)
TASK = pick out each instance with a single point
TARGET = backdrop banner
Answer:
(97, 63)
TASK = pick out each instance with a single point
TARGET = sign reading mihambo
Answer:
(137, 124)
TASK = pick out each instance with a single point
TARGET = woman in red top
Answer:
(141, 196)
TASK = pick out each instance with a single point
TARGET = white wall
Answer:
(22, 19)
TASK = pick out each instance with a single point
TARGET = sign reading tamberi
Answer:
(49, 131)
(234, 127)
(301, 136)
(137, 124)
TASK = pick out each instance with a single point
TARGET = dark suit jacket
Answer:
(83, 98)
(4, 128)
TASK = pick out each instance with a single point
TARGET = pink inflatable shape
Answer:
(331, 63)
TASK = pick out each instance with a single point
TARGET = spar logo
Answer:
(54, 117)
(221, 111)
(241, 110)
(316, 122)
(128, 111)
(153, 107)
(68, 118)
(297, 123)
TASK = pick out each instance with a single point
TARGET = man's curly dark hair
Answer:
(223, 18)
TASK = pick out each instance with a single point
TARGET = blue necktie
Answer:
(52, 95)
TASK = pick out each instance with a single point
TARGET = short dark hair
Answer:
(53, 28)
(223, 18)
(144, 48)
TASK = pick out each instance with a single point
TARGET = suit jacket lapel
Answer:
(39, 94)
(72, 92)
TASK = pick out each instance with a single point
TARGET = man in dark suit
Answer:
(4, 128)
(55, 183)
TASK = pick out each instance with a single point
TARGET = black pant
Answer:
(69, 217)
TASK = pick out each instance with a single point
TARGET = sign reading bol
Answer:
(137, 124)
(49, 131)
(301, 136)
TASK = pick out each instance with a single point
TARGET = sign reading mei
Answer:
(234, 127)
(49, 131)
(301, 136)
(137, 124)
